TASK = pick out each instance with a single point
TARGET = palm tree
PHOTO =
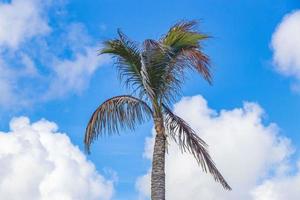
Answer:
(155, 72)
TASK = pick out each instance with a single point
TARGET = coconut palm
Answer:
(155, 72)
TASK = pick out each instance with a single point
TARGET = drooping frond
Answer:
(190, 142)
(127, 59)
(184, 41)
(115, 113)
(195, 59)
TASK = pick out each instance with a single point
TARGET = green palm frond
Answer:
(127, 59)
(157, 71)
(184, 42)
(183, 35)
(165, 61)
(147, 56)
(118, 112)
(190, 142)
(156, 59)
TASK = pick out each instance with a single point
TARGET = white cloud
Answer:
(286, 45)
(279, 188)
(73, 75)
(252, 156)
(39, 62)
(11, 77)
(5, 85)
(5, 88)
(21, 20)
(39, 163)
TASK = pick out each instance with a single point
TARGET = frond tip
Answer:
(115, 113)
(185, 42)
(190, 142)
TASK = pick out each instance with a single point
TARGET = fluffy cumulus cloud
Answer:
(59, 59)
(286, 45)
(252, 156)
(39, 163)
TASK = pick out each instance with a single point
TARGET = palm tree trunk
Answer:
(158, 163)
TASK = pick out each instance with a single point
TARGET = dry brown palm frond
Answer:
(197, 60)
(118, 112)
(190, 142)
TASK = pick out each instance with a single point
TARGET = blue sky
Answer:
(243, 65)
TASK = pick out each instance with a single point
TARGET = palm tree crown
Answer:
(155, 72)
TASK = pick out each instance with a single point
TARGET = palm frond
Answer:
(190, 142)
(155, 59)
(184, 41)
(118, 112)
(183, 35)
(164, 62)
(127, 59)
(146, 57)
(197, 60)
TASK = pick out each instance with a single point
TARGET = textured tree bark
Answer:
(158, 163)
